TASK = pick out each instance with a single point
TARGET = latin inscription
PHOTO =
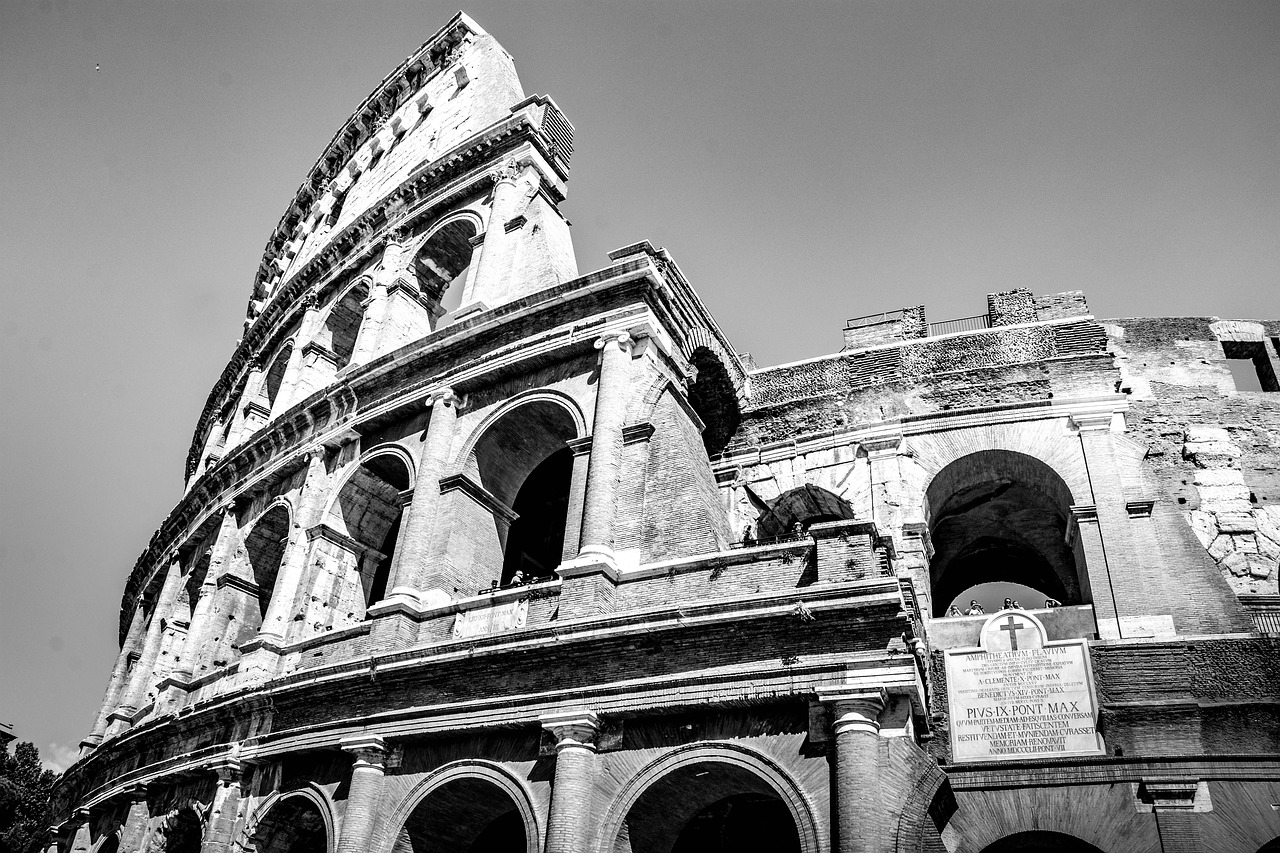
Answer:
(1021, 702)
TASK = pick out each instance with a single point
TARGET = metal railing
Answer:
(976, 323)
(874, 319)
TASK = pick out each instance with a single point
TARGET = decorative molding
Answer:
(479, 494)
(636, 433)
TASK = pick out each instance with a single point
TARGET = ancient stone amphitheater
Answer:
(479, 553)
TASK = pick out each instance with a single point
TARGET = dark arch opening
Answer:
(265, 547)
(1272, 846)
(708, 807)
(110, 844)
(803, 505)
(182, 831)
(713, 397)
(293, 825)
(524, 461)
(342, 325)
(275, 376)
(535, 541)
(1040, 841)
(464, 816)
(441, 266)
(369, 509)
(998, 523)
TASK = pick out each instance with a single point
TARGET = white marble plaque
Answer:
(494, 619)
(1020, 695)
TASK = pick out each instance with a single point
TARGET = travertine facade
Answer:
(461, 560)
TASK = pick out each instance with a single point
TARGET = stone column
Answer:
(612, 392)
(375, 317)
(411, 576)
(142, 676)
(134, 830)
(286, 397)
(311, 499)
(249, 415)
(225, 808)
(198, 633)
(493, 283)
(118, 686)
(81, 839)
(856, 732)
(570, 819)
(364, 795)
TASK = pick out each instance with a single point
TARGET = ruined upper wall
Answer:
(1213, 449)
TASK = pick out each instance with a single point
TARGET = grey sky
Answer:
(804, 164)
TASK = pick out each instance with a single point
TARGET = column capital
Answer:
(573, 729)
(854, 710)
(622, 340)
(369, 750)
(228, 769)
(446, 397)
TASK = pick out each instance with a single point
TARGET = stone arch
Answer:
(1272, 846)
(478, 774)
(340, 328)
(1040, 841)
(361, 528)
(442, 262)
(744, 762)
(265, 547)
(273, 376)
(1001, 516)
(514, 480)
(290, 808)
(717, 393)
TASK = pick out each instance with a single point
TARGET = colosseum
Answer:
(481, 553)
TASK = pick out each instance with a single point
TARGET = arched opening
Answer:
(367, 513)
(803, 505)
(466, 815)
(442, 266)
(264, 547)
(1272, 846)
(1040, 841)
(294, 824)
(342, 325)
(110, 844)
(180, 831)
(998, 522)
(708, 807)
(713, 397)
(274, 377)
(523, 461)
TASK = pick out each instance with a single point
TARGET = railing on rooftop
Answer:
(874, 319)
(976, 323)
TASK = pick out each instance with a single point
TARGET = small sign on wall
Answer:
(491, 620)
(1020, 695)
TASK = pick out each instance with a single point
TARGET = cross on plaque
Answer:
(1012, 627)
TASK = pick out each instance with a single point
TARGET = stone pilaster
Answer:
(364, 795)
(856, 731)
(249, 414)
(118, 687)
(612, 392)
(224, 811)
(570, 819)
(371, 324)
(495, 281)
(142, 676)
(134, 830)
(263, 654)
(287, 395)
(81, 837)
(199, 632)
(412, 578)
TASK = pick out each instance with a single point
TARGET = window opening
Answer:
(1250, 367)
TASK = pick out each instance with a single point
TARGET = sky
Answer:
(804, 163)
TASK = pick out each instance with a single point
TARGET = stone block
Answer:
(1200, 434)
(1236, 522)
(1211, 496)
(1221, 547)
(1203, 525)
(1219, 477)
